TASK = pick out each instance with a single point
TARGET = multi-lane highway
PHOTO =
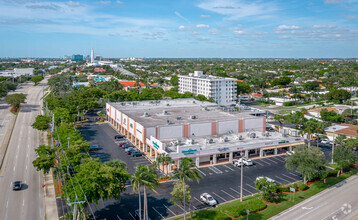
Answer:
(28, 203)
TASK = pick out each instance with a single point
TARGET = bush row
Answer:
(238, 208)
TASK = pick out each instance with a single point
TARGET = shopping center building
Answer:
(203, 131)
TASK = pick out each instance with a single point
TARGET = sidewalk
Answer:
(51, 212)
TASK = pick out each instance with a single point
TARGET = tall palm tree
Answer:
(147, 177)
(185, 172)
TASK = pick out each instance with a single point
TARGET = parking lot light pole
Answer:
(242, 175)
(68, 142)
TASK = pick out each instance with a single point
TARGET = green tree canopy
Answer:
(41, 123)
(46, 158)
(37, 79)
(331, 116)
(338, 95)
(243, 88)
(15, 99)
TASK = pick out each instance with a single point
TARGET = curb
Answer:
(7, 137)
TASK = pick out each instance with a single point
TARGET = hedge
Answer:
(210, 214)
(238, 208)
(332, 173)
(303, 187)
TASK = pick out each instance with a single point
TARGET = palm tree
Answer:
(147, 177)
(185, 172)
(167, 160)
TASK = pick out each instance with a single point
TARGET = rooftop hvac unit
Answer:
(253, 135)
(224, 139)
(193, 117)
(230, 132)
(189, 141)
(165, 112)
(178, 117)
(145, 114)
(208, 141)
(241, 138)
(168, 104)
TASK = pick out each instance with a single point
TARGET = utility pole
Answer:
(334, 134)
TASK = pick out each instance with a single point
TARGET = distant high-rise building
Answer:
(92, 55)
(77, 58)
(222, 90)
(98, 58)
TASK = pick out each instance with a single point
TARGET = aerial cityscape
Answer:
(205, 109)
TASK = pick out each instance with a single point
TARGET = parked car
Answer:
(137, 154)
(248, 162)
(16, 185)
(118, 136)
(131, 151)
(326, 141)
(136, 214)
(237, 162)
(208, 199)
(94, 147)
(268, 179)
(122, 144)
(128, 149)
(289, 153)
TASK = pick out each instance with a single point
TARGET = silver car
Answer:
(208, 199)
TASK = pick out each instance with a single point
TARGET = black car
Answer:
(136, 154)
(131, 151)
(94, 147)
(118, 136)
(16, 185)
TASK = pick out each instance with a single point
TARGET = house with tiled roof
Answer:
(350, 131)
(316, 111)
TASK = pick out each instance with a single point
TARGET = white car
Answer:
(326, 141)
(237, 162)
(208, 199)
(268, 179)
(289, 153)
(248, 162)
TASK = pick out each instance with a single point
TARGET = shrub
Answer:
(284, 189)
(332, 173)
(303, 187)
(272, 197)
(210, 214)
(288, 104)
(238, 208)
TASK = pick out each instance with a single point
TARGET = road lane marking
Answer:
(131, 216)
(219, 196)
(200, 171)
(311, 210)
(213, 170)
(289, 177)
(251, 187)
(156, 212)
(228, 168)
(283, 179)
(169, 209)
(23, 202)
(228, 194)
(7, 203)
(271, 160)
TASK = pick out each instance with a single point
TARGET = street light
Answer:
(334, 134)
(69, 142)
(242, 174)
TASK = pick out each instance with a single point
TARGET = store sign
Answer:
(283, 142)
(155, 145)
(131, 125)
(223, 149)
(189, 151)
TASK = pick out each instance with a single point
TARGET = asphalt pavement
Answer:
(336, 203)
(221, 181)
(28, 202)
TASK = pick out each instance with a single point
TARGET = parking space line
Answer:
(201, 202)
(251, 187)
(265, 162)
(169, 209)
(131, 215)
(219, 196)
(283, 179)
(235, 191)
(180, 207)
(200, 171)
(158, 212)
(289, 177)
(229, 167)
(256, 162)
(247, 191)
(215, 168)
(228, 194)
(270, 159)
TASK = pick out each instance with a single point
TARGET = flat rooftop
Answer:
(177, 111)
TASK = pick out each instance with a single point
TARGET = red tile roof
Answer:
(99, 70)
(132, 84)
(350, 131)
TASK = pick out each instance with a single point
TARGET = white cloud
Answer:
(239, 32)
(181, 27)
(214, 31)
(323, 26)
(103, 2)
(202, 26)
(205, 16)
(286, 27)
(332, 2)
(181, 16)
(235, 9)
(72, 3)
(284, 37)
(119, 2)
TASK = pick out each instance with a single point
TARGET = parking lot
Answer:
(220, 181)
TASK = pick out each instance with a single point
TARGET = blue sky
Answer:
(180, 28)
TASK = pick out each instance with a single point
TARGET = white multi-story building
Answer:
(222, 90)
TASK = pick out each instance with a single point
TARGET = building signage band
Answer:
(190, 151)
(283, 142)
